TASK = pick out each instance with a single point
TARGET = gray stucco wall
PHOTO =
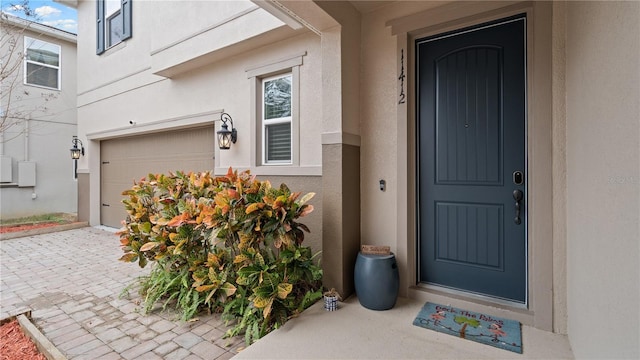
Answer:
(44, 133)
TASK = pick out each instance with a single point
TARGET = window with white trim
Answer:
(113, 23)
(275, 123)
(277, 110)
(41, 63)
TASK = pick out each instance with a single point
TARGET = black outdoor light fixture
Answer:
(226, 136)
(75, 151)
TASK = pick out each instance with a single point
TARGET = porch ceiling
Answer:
(364, 6)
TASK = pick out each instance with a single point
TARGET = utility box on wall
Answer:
(5, 169)
(26, 174)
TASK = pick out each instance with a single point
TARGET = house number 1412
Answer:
(401, 78)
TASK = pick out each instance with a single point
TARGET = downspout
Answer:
(26, 139)
(1, 134)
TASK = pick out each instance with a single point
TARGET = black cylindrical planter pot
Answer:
(377, 281)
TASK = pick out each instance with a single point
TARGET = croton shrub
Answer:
(229, 244)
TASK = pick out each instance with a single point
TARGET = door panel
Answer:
(471, 138)
(467, 82)
(465, 237)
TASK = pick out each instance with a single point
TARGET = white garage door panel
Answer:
(132, 158)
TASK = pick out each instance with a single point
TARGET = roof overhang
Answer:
(69, 3)
(38, 28)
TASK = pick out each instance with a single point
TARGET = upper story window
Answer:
(276, 119)
(41, 63)
(113, 23)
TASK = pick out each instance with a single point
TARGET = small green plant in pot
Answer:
(229, 244)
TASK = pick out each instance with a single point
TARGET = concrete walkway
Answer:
(354, 332)
(72, 281)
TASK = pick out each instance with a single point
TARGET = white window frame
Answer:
(255, 74)
(283, 120)
(108, 16)
(28, 41)
(120, 9)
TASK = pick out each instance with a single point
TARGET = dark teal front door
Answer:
(471, 160)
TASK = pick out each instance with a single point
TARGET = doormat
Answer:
(491, 330)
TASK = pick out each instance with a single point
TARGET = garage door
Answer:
(131, 158)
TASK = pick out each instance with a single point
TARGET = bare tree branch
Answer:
(17, 102)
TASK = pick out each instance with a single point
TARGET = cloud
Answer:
(15, 8)
(66, 24)
(12, 9)
(46, 11)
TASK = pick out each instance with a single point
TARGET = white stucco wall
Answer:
(126, 92)
(222, 85)
(197, 14)
(378, 131)
(383, 141)
(603, 178)
(379, 103)
(46, 138)
(559, 136)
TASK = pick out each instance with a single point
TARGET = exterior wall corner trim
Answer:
(341, 138)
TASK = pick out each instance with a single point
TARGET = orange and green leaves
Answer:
(228, 243)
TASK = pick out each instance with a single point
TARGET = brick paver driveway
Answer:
(72, 281)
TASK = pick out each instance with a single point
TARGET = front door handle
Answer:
(517, 196)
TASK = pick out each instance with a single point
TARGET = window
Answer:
(113, 23)
(41, 63)
(276, 119)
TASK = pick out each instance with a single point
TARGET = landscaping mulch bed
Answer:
(15, 345)
(22, 227)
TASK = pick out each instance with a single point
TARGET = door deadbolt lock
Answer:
(518, 178)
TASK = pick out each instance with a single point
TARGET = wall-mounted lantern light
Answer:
(75, 151)
(226, 136)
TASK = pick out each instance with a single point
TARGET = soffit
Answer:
(365, 6)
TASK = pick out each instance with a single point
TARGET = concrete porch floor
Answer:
(354, 332)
